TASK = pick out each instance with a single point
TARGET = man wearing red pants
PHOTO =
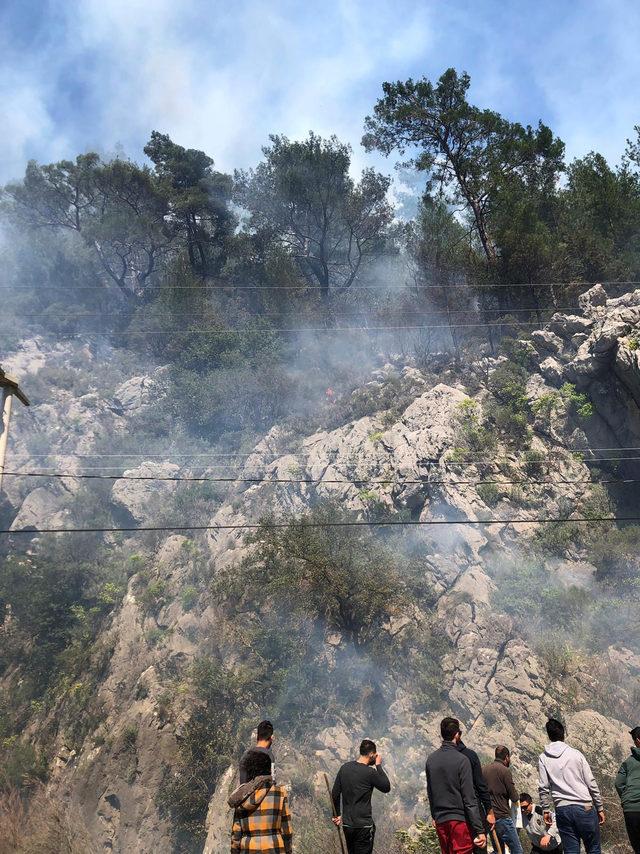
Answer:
(452, 798)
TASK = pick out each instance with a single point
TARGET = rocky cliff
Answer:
(581, 378)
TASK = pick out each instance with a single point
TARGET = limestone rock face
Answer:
(498, 683)
(139, 392)
(140, 497)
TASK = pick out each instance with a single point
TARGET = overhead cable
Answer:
(298, 525)
(318, 481)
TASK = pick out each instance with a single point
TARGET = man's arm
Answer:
(480, 784)
(336, 792)
(590, 780)
(236, 834)
(380, 779)
(621, 779)
(242, 768)
(544, 787)
(514, 797)
(469, 797)
(553, 832)
(285, 826)
(429, 789)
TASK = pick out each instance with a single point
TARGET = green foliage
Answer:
(307, 589)
(349, 582)
(577, 401)
(130, 737)
(153, 596)
(222, 706)
(188, 597)
(471, 432)
(473, 155)
(302, 195)
(20, 764)
(489, 493)
(423, 841)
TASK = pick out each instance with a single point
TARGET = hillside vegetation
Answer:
(351, 471)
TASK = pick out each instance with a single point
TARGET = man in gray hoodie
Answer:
(567, 782)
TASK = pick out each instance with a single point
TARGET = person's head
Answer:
(257, 765)
(526, 803)
(503, 755)
(450, 730)
(265, 734)
(635, 735)
(368, 751)
(555, 730)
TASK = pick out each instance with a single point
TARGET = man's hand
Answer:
(544, 842)
(548, 818)
(491, 819)
(378, 759)
(337, 820)
(601, 817)
(480, 840)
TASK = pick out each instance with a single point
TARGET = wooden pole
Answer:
(496, 841)
(335, 814)
(6, 418)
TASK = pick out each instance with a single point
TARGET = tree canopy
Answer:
(302, 195)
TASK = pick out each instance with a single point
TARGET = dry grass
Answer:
(39, 826)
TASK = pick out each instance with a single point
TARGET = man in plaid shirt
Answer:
(261, 821)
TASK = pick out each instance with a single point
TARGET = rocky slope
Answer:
(494, 678)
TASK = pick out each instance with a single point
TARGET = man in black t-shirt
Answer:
(353, 787)
(264, 743)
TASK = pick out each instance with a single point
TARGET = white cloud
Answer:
(222, 76)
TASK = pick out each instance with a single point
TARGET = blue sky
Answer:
(221, 76)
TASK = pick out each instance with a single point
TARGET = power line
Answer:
(330, 329)
(530, 309)
(345, 481)
(281, 453)
(336, 289)
(298, 525)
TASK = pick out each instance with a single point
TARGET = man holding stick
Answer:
(351, 795)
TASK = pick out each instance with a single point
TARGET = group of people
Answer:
(470, 804)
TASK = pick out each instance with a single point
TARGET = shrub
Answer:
(489, 494)
(188, 597)
(576, 401)
(209, 743)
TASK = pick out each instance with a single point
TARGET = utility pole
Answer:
(9, 387)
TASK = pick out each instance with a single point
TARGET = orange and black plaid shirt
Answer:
(265, 827)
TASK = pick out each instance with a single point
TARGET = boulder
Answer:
(140, 497)
(139, 392)
(594, 298)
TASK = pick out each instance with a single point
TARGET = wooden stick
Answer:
(496, 841)
(335, 814)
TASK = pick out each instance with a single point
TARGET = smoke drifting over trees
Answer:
(284, 324)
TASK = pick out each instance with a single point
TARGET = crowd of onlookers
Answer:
(471, 805)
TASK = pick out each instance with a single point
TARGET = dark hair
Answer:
(257, 764)
(449, 728)
(265, 730)
(555, 730)
(525, 796)
(367, 746)
(502, 752)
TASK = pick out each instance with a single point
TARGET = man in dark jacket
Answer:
(351, 794)
(483, 795)
(501, 786)
(452, 798)
(628, 787)
(264, 743)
